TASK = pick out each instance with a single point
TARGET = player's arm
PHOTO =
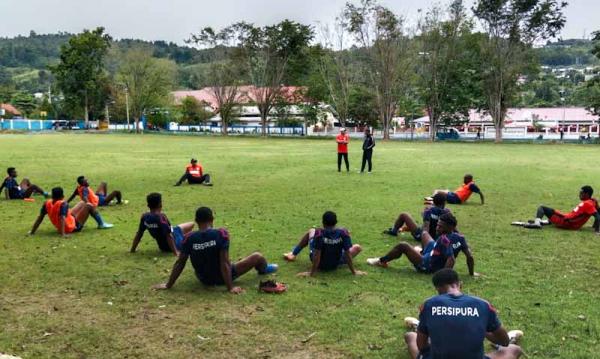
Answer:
(450, 262)
(72, 196)
(349, 262)
(37, 223)
(226, 272)
(2, 187)
(499, 336)
(315, 263)
(138, 236)
(470, 260)
(596, 224)
(425, 226)
(171, 243)
(482, 198)
(422, 341)
(178, 267)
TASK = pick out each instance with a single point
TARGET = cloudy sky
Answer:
(174, 20)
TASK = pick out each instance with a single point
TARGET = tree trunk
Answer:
(263, 122)
(137, 124)
(86, 115)
(498, 127)
(224, 127)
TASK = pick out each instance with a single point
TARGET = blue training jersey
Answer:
(332, 243)
(432, 215)
(457, 325)
(458, 242)
(158, 226)
(204, 249)
(13, 188)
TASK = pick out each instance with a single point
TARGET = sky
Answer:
(175, 20)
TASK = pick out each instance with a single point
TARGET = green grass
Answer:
(267, 193)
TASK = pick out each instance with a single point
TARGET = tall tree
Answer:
(447, 65)
(512, 27)
(381, 35)
(334, 64)
(224, 87)
(592, 93)
(148, 81)
(80, 74)
(264, 54)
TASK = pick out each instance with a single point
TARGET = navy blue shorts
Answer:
(424, 265)
(101, 200)
(178, 237)
(452, 198)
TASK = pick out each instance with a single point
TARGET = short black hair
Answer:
(588, 190)
(469, 177)
(57, 193)
(193, 160)
(329, 219)
(80, 179)
(449, 219)
(154, 200)
(204, 215)
(446, 276)
(9, 170)
(439, 199)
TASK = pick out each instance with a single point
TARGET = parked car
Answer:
(447, 133)
(65, 125)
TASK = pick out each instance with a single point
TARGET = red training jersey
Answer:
(342, 147)
(464, 192)
(195, 171)
(582, 213)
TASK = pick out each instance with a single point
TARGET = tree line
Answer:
(369, 66)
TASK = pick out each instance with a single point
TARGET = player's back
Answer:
(204, 249)
(457, 325)
(331, 242)
(159, 227)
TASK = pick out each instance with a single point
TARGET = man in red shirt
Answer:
(573, 220)
(342, 148)
(194, 175)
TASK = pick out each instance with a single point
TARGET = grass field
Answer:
(55, 293)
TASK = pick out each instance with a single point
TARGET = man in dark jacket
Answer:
(367, 147)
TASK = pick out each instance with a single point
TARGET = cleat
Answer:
(520, 224)
(123, 202)
(271, 286)
(290, 257)
(376, 263)
(105, 226)
(208, 184)
(428, 199)
(390, 232)
(532, 226)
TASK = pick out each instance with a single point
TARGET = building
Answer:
(569, 119)
(8, 110)
(249, 114)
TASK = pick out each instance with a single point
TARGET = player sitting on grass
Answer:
(98, 198)
(208, 249)
(89, 197)
(455, 325)
(436, 254)
(462, 194)
(573, 220)
(431, 215)
(330, 247)
(169, 239)
(65, 220)
(19, 191)
(194, 175)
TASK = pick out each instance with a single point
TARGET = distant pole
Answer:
(127, 105)
(107, 118)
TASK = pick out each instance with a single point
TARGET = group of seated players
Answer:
(330, 247)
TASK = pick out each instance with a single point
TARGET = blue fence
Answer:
(25, 125)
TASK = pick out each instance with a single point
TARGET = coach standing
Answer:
(367, 147)
(342, 141)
